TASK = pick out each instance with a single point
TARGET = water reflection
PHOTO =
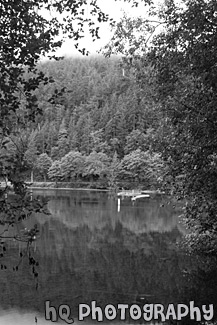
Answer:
(87, 251)
(94, 209)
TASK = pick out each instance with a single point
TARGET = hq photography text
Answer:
(147, 312)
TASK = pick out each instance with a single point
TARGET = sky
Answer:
(115, 9)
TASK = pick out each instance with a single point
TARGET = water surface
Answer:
(87, 251)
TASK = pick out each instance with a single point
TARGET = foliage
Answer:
(136, 140)
(62, 142)
(112, 172)
(101, 120)
(96, 164)
(43, 164)
(55, 171)
(141, 167)
(30, 154)
(186, 77)
(72, 165)
(116, 117)
(98, 144)
(183, 57)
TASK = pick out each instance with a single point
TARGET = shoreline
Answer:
(64, 186)
(67, 189)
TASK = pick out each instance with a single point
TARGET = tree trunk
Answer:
(32, 177)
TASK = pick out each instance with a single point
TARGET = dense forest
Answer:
(97, 123)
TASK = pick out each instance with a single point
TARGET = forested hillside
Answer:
(97, 123)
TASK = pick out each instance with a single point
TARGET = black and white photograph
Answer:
(108, 162)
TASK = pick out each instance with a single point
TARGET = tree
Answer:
(135, 140)
(55, 171)
(98, 144)
(96, 165)
(84, 128)
(183, 57)
(43, 164)
(30, 154)
(112, 173)
(62, 142)
(142, 168)
(72, 165)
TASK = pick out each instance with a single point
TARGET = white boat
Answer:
(134, 198)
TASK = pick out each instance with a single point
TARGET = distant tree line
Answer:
(96, 125)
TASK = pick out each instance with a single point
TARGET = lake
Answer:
(89, 251)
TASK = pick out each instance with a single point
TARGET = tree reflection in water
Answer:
(88, 251)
